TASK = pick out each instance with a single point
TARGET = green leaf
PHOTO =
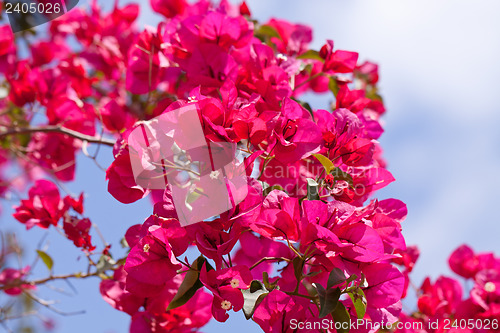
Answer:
(325, 162)
(298, 268)
(47, 260)
(267, 31)
(190, 284)
(256, 285)
(268, 189)
(333, 86)
(312, 189)
(104, 264)
(123, 243)
(269, 286)
(351, 278)
(336, 276)
(193, 196)
(328, 299)
(342, 175)
(340, 315)
(311, 54)
(253, 297)
(359, 300)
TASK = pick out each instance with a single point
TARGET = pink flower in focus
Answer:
(150, 264)
(122, 185)
(338, 61)
(225, 284)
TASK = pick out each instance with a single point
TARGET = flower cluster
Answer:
(45, 207)
(446, 304)
(303, 237)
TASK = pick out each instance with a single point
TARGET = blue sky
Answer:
(440, 80)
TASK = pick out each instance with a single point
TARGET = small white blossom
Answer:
(235, 283)
(214, 174)
(490, 287)
(226, 305)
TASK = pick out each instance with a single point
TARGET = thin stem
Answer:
(18, 283)
(308, 80)
(269, 259)
(58, 129)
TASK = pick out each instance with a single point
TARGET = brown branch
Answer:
(58, 129)
(19, 283)
(268, 259)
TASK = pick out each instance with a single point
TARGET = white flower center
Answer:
(226, 305)
(146, 248)
(214, 174)
(235, 283)
(490, 287)
(281, 56)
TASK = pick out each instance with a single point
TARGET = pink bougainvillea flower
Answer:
(338, 61)
(6, 40)
(353, 100)
(385, 285)
(279, 217)
(368, 71)
(225, 31)
(365, 182)
(389, 231)
(357, 152)
(297, 137)
(23, 89)
(195, 313)
(43, 208)
(77, 230)
(227, 298)
(366, 243)
(248, 124)
(146, 64)
(75, 204)
(440, 298)
(44, 52)
(150, 264)
(113, 291)
(486, 293)
(169, 8)
(341, 131)
(236, 277)
(254, 248)
(122, 185)
(115, 117)
(167, 228)
(186, 318)
(393, 208)
(408, 257)
(67, 113)
(7, 50)
(225, 284)
(275, 312)
(55, 152)
(212, 241)
(10, 276)
(294, 38)
(210, 66)
(464, 262)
